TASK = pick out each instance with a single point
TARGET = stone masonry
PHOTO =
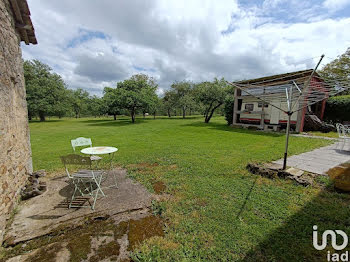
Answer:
(15, 152)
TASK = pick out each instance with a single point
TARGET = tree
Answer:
(338, 69)
(136, 93)
(169, 101)
(63, 105)
(111, 101)
(79, 100)
(154, 106)
(183, 95)
(96, 106)
(46, 90)
(211, 95)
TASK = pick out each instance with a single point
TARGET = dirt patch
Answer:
(47, 253)
(172, 167)
(109, 250)
(159, 187)
(143, 165)
(201, 202)
(142, 229)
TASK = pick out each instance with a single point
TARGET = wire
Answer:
(301, 97)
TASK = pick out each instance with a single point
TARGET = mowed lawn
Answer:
(217, 210)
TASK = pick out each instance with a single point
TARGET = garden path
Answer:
(320, 160)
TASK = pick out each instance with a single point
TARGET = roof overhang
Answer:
(23, 22)
(280, 79)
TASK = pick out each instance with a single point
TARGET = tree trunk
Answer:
(169, 113)
(190, 111)
(42, 116)
(207, 119)
(154, 115)
(144, 114)
(183, 112)
(133, 115)
(175, 112)
(206, 113)
(114, 116)
(29, 116)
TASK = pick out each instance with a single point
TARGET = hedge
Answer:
(338, 109)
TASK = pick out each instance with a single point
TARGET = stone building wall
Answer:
(15, 152)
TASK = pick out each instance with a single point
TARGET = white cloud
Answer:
(93, 44)
(335, 5)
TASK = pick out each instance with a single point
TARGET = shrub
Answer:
(338, 109)
(229, 101)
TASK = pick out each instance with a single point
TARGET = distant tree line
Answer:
(48, 95)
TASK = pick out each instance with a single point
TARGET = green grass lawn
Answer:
(330, 134)
(217, 210)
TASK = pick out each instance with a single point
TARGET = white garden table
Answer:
(102, 150)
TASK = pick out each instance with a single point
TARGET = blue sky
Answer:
(99, 43)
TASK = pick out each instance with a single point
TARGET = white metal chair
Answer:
(86, 182)
(82, 141)
(342, 134)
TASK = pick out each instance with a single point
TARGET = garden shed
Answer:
(252, 112)
(15, 153)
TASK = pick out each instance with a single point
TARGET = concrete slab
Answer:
(42, 214)
(320, 160)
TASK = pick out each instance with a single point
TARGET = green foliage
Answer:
(228, 108)
(183, 95)
(137, 93)
(111, 101)
(169, 101)
(96, 106)
(338, 69)
(47, 94)
(46, 91)
(211, 95)
(79, 100)
(338, 109)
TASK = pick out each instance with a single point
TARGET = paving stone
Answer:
(318, 161)
(295, 171)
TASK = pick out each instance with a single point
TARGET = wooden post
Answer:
(301, 114)
(262, 120)
(235, 107)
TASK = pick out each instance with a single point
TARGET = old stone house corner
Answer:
(15, 152)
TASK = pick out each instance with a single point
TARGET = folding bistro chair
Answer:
(343, 134)
(82, 141)
(86, 182)
(339, 131)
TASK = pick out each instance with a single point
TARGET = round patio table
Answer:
(102, 150)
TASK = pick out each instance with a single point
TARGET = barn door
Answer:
(275, 113)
